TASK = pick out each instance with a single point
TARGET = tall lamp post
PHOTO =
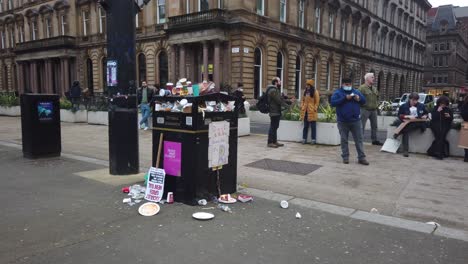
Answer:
(121, 85)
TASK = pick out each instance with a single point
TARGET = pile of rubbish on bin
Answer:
(137, 192)
(183, 106)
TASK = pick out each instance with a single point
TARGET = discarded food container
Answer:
(127, 200)
(224, 208)
(227, 199)
(298, 215)
(149, 209)
(203, 216)
(284, 204)
(244, 198)
(126, 189)
(202, 202)
(170, 197)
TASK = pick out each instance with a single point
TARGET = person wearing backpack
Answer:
(276, 104)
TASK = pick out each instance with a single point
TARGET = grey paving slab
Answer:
(393, 221)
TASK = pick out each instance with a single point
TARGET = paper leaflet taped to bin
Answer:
(155, 185)
(218, 148)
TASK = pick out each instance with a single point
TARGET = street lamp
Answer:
(121, 84)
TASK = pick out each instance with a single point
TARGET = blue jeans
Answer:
(313, 127)
(145, 113)
(356, 130)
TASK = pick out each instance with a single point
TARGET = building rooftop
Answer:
(461, 11)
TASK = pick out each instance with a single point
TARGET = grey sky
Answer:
(436, 3)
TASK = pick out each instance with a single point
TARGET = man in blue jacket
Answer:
(348, 101)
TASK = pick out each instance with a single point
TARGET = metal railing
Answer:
(212, 15)
(49, 43)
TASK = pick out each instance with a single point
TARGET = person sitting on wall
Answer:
(412, 109)
(441, 123)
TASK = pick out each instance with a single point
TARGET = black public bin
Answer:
(40, 125)
(188, 132)
(123, 135)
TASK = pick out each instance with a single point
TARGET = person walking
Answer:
(309, 111)
(369, 110)
(75, 94)
(145, 99)
(412, 109)
(348, 102)
(464, 114)
(441, 123)
(276, 104)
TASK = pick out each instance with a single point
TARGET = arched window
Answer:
(89, 75)
(141, 68)
(280, 66)
(297, 87)
(163, 68)
(380, 82)
(257, 73)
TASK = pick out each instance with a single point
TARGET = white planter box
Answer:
(98, 118)
(80, 116)
(420, 142)
(10, 111)
(327, 133)
(243, 127)
(258, 117)
(383, 122)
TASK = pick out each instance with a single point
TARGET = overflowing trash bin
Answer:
(40, 125)
(198, 138)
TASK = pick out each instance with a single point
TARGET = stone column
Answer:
(182, 61)
(33, 77)
(217, 65)
(20, 76)
(172, 64)
(205, 61)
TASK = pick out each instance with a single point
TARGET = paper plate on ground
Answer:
(203, 216)
(228, 201)
(149, 209)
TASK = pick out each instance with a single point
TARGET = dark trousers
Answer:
(439, 143)
(466, 154)
(313, 127)
(356, 130)
(405, 132)
(274, 125)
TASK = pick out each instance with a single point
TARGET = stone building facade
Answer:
(446, 69)
(47, 44)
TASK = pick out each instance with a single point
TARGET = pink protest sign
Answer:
(172, 158)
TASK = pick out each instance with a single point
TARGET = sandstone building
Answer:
(46, 44)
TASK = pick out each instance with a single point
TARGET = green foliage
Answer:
(430, 106)
(329, 114)
(9, 100)
(65, 104)
(293, 113)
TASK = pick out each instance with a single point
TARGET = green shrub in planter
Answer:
(9, 100)
(329, 113)
(293, 113)
(65, 104)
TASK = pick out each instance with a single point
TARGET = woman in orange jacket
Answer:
(309, 111)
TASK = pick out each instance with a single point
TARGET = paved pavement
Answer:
(51, 214)
(416, 188)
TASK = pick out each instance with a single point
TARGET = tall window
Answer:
(331, 25)
(328, 79)
(382, 44)
(48, 27)
(63, 25)
(141, 68)
(203, 5)
(390, 47)
(318, 26)
(89, 74)
(301, 13)
(33, 30)
(314, 71)
(139, 19)
(104, 74)
(161, 12)
(10, 4)
(163, 68)
(1, 5)
(261, 7)
(384, 11)
(297, 87)
(21, 33)
(341, 74)
(376, 6)
(12, 37)
(102, 21)
(354, 33)
(187, 6)
(257, 73)
(343, 34)
(283, 11)
(280, 66)
(221, 4)
(392, 14)
(85, 21)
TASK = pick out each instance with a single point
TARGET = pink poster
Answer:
(172, 158)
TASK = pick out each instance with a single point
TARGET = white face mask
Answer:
(240, 89)
(347, 88)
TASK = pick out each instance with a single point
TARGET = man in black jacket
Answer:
(145, 99)
(277, 103)
(464, 114)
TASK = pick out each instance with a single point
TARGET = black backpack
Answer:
(263, 104)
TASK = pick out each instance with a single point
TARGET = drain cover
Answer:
(284, 166)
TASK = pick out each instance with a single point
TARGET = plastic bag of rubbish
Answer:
(224, 208)
(137, 191)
